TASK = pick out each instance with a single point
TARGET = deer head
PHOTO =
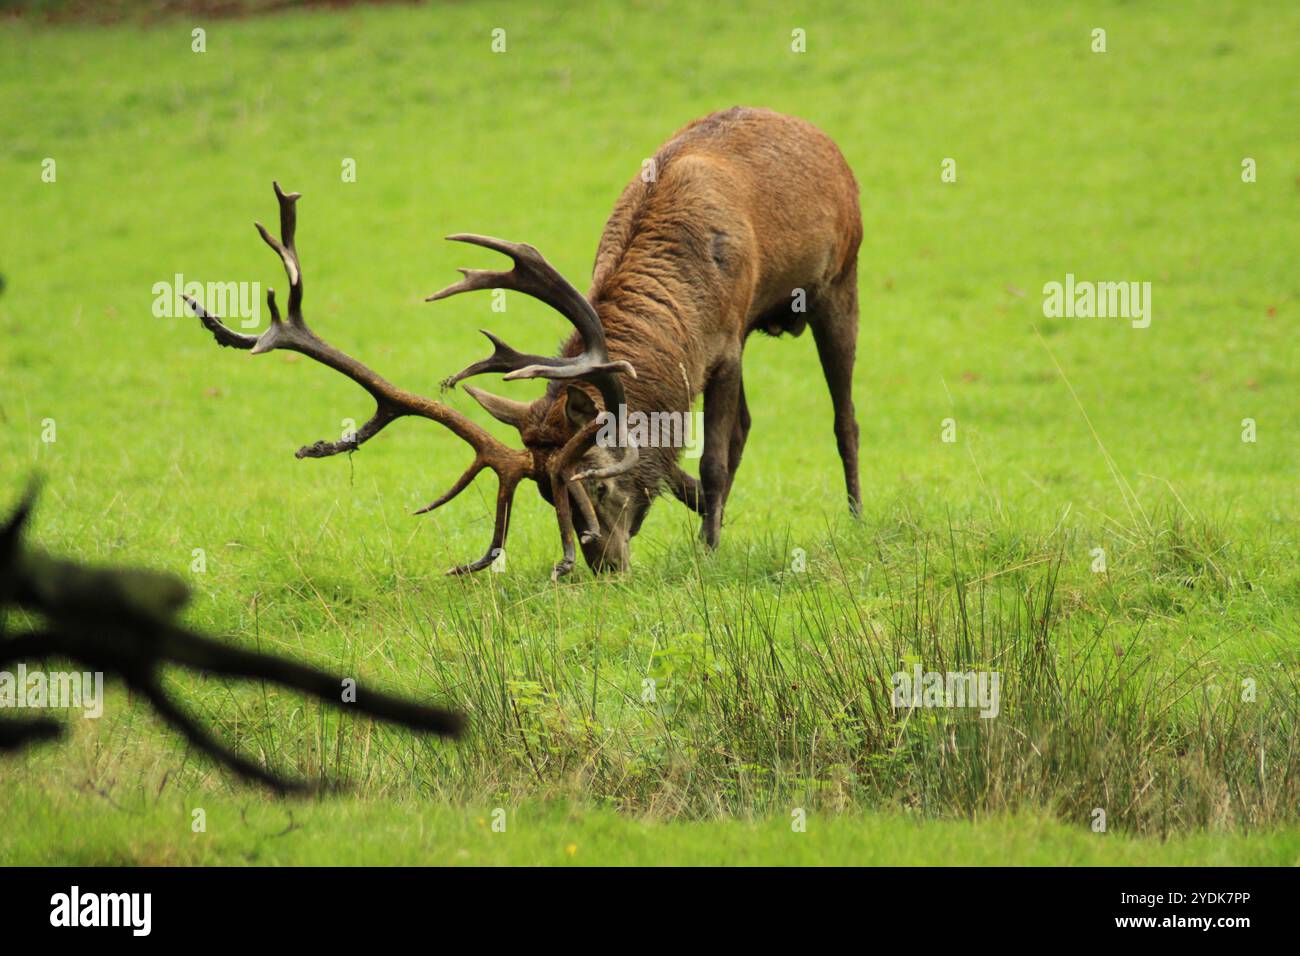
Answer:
(609, 497)
(562, 456)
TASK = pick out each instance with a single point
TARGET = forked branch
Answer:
(121, 622)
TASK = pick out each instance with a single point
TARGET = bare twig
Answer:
(120, 621)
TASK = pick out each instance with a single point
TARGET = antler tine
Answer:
(623, 465)
(564, 514)
(225, 336)
(285, 248)
(391, 402)
(563, 469)
(502, 359)
(461, 484)
(536, 277)
(500, 526)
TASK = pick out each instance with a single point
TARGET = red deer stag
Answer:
(749, 221)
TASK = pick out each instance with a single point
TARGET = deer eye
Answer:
(602, 491)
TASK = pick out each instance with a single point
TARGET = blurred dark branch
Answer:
(121, 622)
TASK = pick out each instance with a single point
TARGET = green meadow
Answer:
(1103, 514)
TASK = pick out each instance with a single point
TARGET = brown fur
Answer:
(747, 206)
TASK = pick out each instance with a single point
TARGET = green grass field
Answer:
(1123, 689)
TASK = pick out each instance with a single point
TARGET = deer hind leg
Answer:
(722, 408)
(835, 330)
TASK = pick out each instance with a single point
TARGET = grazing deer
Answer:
(748, 222)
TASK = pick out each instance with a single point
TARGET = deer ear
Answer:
(578, 407)
(505, 410)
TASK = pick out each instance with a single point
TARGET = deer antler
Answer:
(534, 276)
(391, 402)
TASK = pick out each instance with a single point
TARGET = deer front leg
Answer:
(739, 435)
(721, 410)
(686, 490)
